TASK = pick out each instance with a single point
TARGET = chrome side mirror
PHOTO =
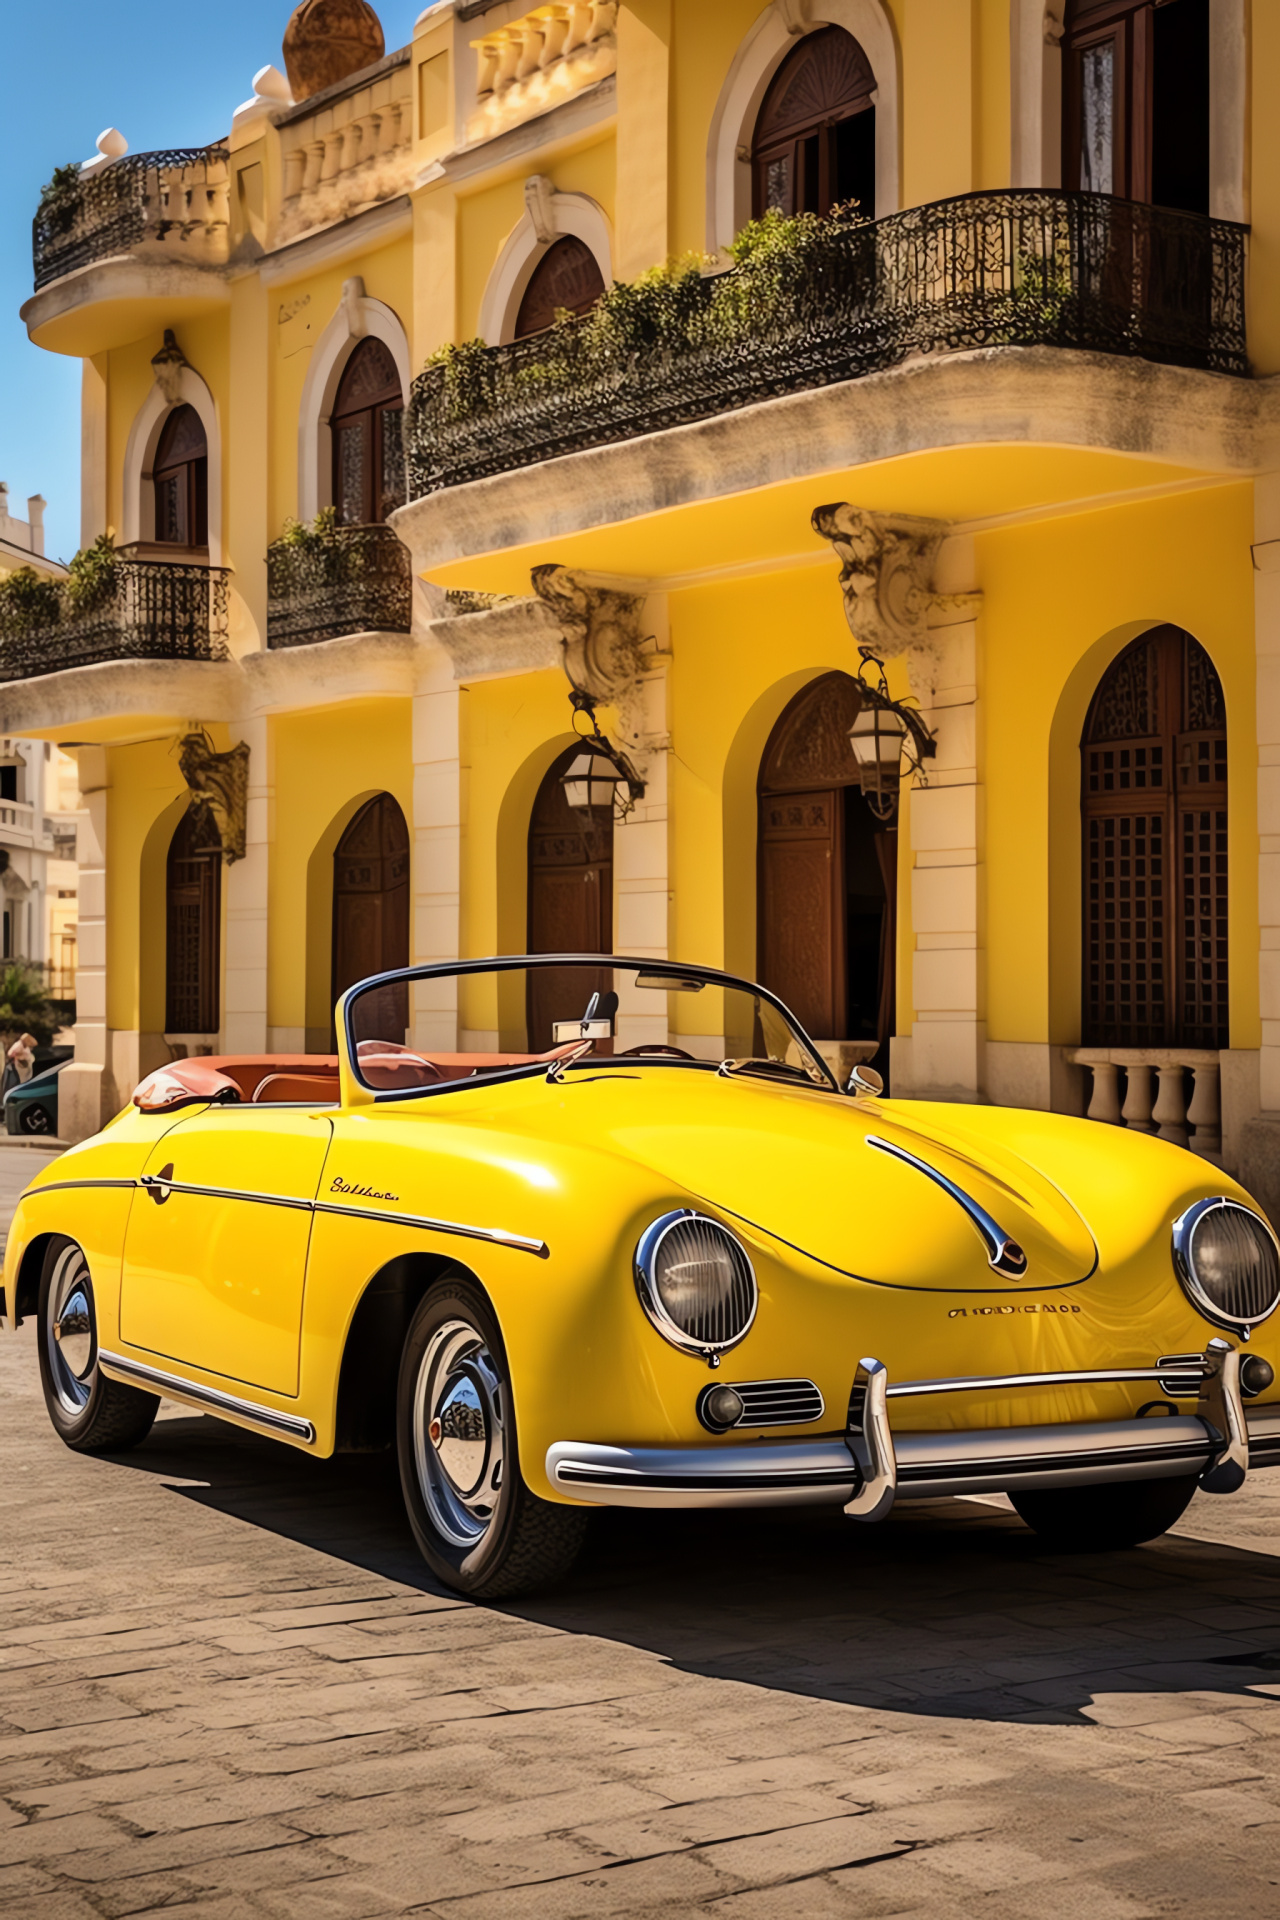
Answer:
(865, 1080)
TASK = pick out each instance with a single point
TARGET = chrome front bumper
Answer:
(869, 1467)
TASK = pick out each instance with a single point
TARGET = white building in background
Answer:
(39, 802)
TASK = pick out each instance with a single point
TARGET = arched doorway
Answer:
(827, 884)
(570, 897)
(1154, 807)
(181, 481)
(371, 896)
(815, 137)
(193, 901)
(368, 447)
(568, 276)
(1135, 119)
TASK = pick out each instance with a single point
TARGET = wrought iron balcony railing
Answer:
(167, 205)
(325, 583)
(1021, 268)
(147, 610)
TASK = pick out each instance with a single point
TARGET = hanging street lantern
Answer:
(602, 780)
(884, 734)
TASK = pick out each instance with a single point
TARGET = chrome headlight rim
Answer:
(1184, 1264)
(647, 1250)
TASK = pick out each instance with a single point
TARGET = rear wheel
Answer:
(476, 1523)
(91, 1413)
(34, 1119)
(1102, 1519)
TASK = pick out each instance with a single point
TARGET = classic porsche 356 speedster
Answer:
(575, 1231)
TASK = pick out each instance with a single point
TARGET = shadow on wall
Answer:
(947, 1609)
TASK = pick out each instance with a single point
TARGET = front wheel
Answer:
(476, 1523)
(34, 1119)
(91, 1413)
(1105, 1518)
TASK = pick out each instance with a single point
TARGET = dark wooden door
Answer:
(801, 871)
(182, 481)
(371, 897)
(1135, 119)
(814, 142)
(193, 888)
(368, 449)
(1154, 806)
(570, 901)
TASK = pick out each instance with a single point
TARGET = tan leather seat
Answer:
(274, 1089)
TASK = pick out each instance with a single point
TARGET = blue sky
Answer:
(166, 78)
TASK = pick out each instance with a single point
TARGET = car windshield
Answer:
(430, 1028)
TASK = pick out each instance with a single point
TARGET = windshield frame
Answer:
(511, 962)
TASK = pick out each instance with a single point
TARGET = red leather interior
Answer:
(273, 1079)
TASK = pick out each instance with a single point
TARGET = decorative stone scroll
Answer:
(886, 573)
(219, 784)
(601, 628)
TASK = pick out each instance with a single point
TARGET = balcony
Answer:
(141, 610)
(1082, 272)
(327, 581)
(171, 205)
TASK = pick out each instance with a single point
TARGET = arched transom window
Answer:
(368, 450)
(815, 137)
(1154, 803)
(567, 278)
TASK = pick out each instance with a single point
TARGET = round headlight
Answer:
(1228, 1262)
(695, 1283)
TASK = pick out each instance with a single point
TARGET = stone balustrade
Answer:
(169, 206)
(346, 155)
(533, 63)
(1146, 1088)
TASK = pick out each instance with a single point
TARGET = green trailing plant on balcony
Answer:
(319, 552)
(681, 309)
(58, 200)
(60, 183)
(92, 575)
(29, 601)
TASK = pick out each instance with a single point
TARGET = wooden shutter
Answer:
(192, 926)
(570, 901)
(366, 423)
(567, 277)
(815, 134)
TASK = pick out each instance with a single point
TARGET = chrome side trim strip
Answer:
(978, 1383)
(209, 1399)
(1003, 1252)
(152, 1183)
(64, 1186)
(498, 1236)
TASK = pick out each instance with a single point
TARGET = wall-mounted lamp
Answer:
(886, 733)
(601, 780)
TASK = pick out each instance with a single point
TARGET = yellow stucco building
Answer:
(1011, 426)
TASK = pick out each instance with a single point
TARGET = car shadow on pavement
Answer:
(948, 1608)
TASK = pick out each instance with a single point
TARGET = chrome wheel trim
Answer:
(458, 1433)
(70, 1331)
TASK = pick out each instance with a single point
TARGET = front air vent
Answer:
(769, 1403)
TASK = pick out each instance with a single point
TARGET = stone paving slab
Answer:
(229, 1689)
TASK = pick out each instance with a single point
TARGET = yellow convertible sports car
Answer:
(620, 1239)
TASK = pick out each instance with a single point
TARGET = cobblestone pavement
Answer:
(228, 1689)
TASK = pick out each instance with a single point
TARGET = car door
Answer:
(216, 1247)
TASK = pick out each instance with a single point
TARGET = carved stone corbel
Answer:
(795, 15)
(886, 579)
(539, 203)
(219, 784)
(168, 365)
(603, 642)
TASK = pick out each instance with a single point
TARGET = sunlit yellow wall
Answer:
(1264, 189)
(487, 215)
(1051, 594)
(297, 314)
(324, 761)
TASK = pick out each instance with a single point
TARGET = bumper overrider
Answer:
(868, 1466)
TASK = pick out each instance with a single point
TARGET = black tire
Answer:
(1104, 1519)
(477, 1525)
(34, 1119)
(89, 1412)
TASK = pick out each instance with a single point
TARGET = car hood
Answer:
(797, 1165)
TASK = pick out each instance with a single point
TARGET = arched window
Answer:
(567, 276)
(1135, 116)
(181, 481)
(1154, 804)
(570, 898)
(815, 138)
(827, 885)
(368, 449)
(371, 896)
(193, 892)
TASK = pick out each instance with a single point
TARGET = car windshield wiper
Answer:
(810, 1075)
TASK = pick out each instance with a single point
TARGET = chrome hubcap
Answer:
(70, 1337)
(458, 1433)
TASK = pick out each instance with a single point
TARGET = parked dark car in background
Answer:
(32, 1106)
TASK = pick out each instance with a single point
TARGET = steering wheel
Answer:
(671, 1053)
